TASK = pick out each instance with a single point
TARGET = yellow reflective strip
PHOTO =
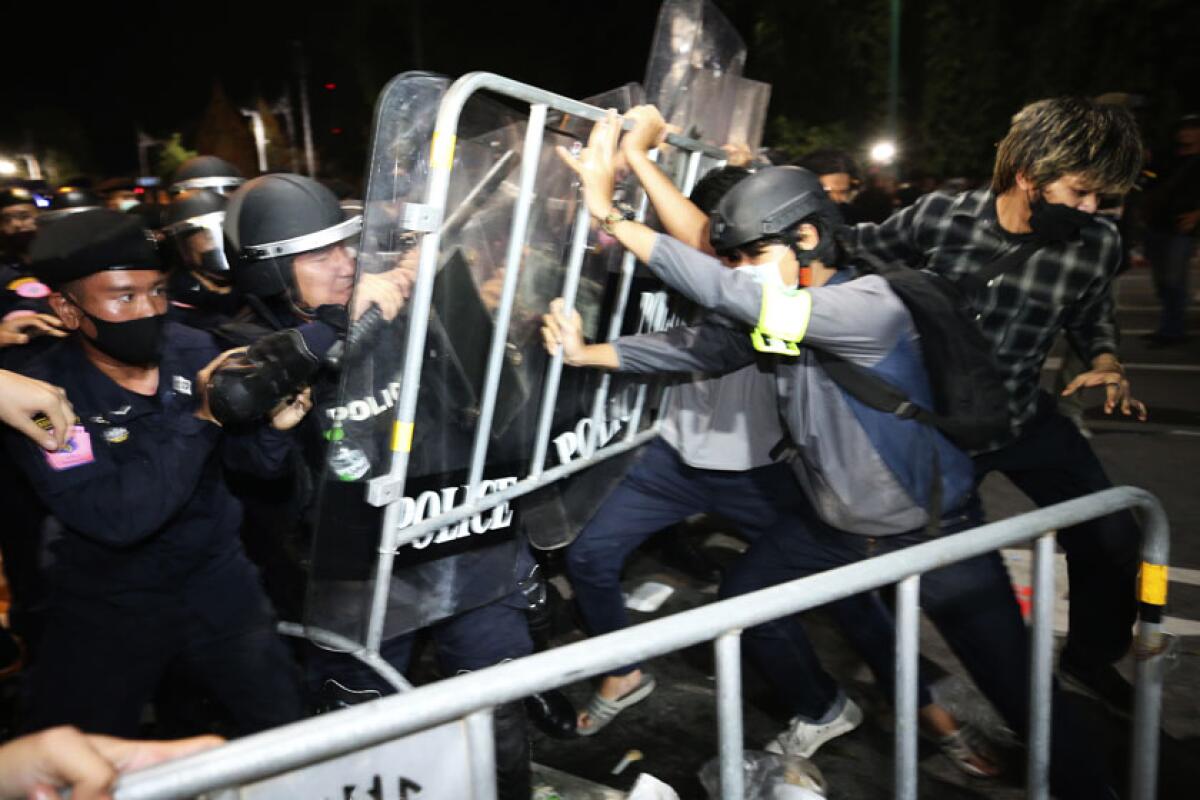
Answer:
(441, 155)
(784, 313)
(402, 436)
(1153, 589)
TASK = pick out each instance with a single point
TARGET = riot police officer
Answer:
(18, 225)
(201, 285)
(147, 572)
(67, 200)
(206, 172)
(294, 260)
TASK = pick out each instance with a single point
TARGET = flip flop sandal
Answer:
(602, 711)
(966, 744)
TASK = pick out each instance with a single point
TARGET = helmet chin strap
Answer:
(823, 252)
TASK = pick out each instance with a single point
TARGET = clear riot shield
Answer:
(696, 52)
(595, 409)
(749, 118)
(696, 60)
(452, 411)
(478, 265)
(474, 562)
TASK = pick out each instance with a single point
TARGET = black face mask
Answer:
(1054, 222)
(137, 342)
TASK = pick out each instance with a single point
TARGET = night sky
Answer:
(80, 83)
(81, 79)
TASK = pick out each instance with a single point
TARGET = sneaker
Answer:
(803, 738)
(1102, 683)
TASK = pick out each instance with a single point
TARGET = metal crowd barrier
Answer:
(388, 490)
(470, 698)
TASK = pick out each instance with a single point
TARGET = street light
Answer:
(883, 152)
(8, 167)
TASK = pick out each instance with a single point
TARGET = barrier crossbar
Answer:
(315, 740)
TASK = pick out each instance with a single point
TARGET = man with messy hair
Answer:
(1059, 156)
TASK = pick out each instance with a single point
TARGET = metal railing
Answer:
(316, 740)
(388, 490)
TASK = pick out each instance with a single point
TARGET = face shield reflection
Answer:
(197, 244)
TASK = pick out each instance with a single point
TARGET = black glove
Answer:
(249, 385)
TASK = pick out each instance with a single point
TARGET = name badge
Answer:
(75, 453)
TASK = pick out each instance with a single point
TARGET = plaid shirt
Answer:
(1063, 286)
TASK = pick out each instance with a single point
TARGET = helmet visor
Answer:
(221, 184)
(197, 243)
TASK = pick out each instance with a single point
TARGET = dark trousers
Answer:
(961, 599)
(1052, 462)
(1170, 256)
(475, 639)
(971, 603)
(661, 490)
(99, 663)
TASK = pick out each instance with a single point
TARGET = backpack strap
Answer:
(874, 392)
(973, 282)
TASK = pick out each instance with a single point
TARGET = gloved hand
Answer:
(248, 386)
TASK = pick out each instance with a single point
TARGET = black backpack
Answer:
(969, 397)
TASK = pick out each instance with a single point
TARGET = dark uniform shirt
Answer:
(143, 507)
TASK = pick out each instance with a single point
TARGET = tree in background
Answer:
(966, 68)
(224, 132)
(171, 154)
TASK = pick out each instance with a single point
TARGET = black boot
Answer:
(553, 713)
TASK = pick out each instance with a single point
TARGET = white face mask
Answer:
(766, 274)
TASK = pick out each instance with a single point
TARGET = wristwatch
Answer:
(619, 212)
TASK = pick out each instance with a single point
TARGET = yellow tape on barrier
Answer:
(1153, 584)
(441, 155)
(402, 437)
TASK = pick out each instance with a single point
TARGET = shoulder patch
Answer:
(75, 453)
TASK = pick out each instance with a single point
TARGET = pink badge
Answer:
(76, 452)
(33, 290)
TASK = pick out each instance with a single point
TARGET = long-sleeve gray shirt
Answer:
(864, 471)
(725, 422)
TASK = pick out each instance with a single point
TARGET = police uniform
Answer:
(19, 290)
(146, 569)
(270, 220)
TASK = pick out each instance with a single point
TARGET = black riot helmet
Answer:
(273, 218)
(207, 172)
(768, 205)
(194, 231)
(67, 200)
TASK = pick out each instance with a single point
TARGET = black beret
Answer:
(15, 196)
(89, 242)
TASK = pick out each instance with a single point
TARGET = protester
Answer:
(1056, 160)
(1172, 212)
(859, 506)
